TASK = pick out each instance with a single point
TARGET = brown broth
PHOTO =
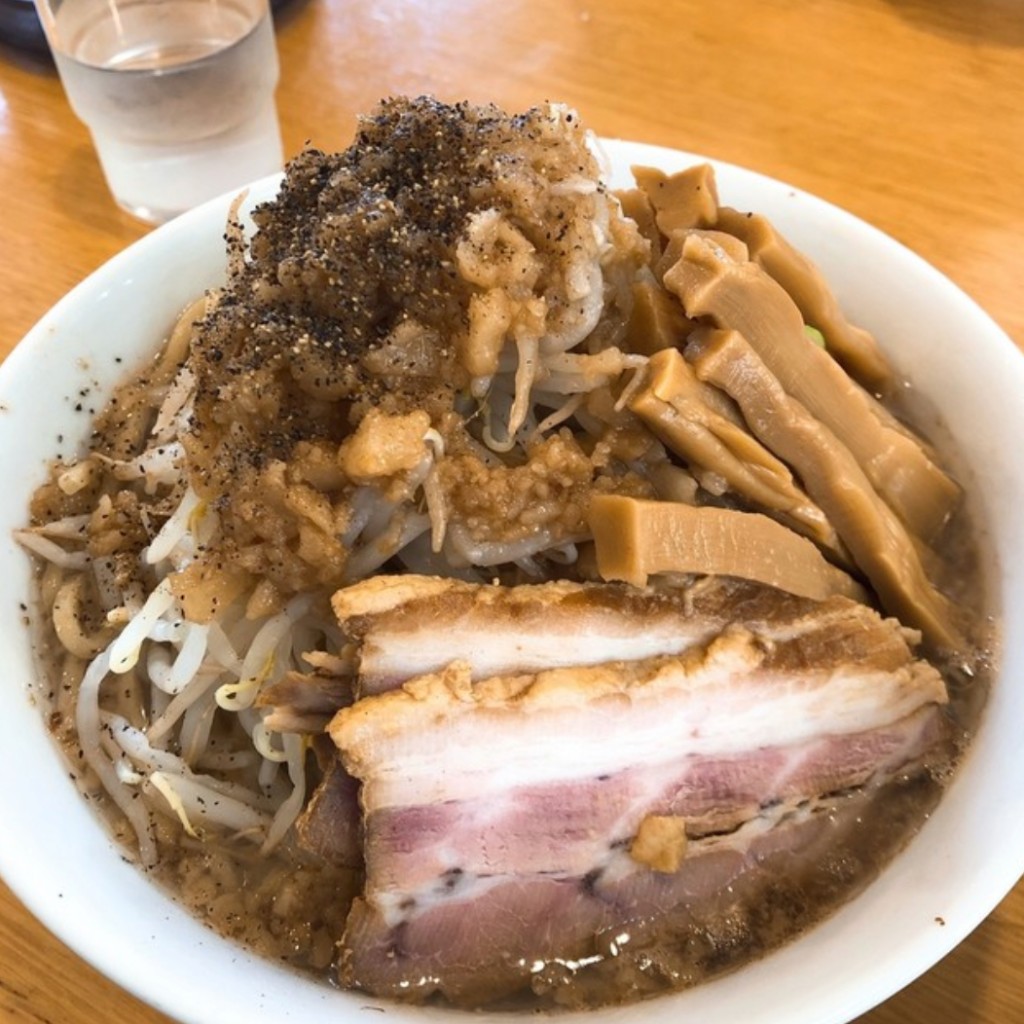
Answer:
(290, 908)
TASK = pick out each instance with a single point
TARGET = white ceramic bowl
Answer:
(60, 862)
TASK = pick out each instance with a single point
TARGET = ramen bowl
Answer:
(60, 861)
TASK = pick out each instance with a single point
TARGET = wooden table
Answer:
(909, 113)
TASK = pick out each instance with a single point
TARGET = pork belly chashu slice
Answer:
(512, 819)
(410, 625)
(402, 626)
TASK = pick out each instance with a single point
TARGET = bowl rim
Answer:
(128, 959)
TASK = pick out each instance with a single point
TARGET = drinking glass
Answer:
(177, 94)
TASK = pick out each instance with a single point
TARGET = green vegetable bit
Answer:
(815, 335)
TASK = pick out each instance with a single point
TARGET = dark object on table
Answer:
(19, 26)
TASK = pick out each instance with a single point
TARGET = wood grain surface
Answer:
(908, 113)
